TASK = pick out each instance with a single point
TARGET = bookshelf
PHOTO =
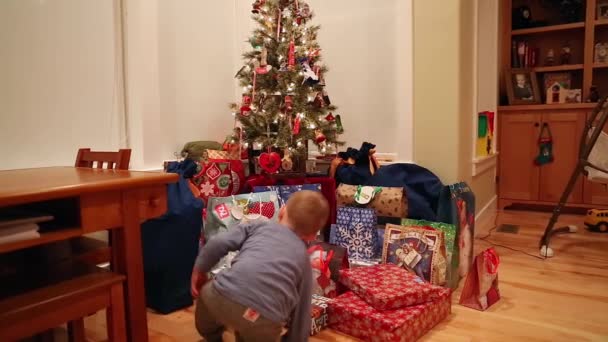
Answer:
(549, 30)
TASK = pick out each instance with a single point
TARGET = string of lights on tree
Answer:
(285, 103)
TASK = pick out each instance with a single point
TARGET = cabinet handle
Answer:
(537, 124)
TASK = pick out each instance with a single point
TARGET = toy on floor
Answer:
(597, 220)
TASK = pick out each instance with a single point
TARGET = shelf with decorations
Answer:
(548, 49)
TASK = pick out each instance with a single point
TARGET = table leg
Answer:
(127, 259)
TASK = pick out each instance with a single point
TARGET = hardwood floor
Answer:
(561, 299)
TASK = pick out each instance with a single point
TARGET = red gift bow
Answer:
(323, 263)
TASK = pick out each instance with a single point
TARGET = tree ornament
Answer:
(319, 102)
(319, 136)
(545, 144)
(312, 53)
(264, 67)
(330, 117)
(291, 59)
(310, 77)
(287, 163)
(246, 106)
(296, 125)
(279, 20)
(303, 13)
(339, 127)
(288, 104)
(257, 5)
(270, 162)
(326, 98)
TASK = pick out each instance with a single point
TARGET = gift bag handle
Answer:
(492, 260)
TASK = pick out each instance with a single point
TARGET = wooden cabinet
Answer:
(566, 129)
(595, 193)
(520, 179)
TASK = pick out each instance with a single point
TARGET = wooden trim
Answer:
(601, 22)
(551, 28)
(488, 209)
(548, 106)
(588, 48)
(484, 164)
(505, 202)
(566, 67)
(600, 65)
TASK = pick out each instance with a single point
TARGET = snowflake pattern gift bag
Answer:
(355, 230)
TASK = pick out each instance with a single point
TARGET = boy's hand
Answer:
(197, 281)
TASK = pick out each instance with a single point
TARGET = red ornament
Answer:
(270, 162)
(330, 117)
(319, 136)
(246, 106)
(296, 125)
(291, 63)
(288, 104)
(257, 5)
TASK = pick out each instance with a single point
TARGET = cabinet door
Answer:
(518, 174)
(566, 129)
(596, 193)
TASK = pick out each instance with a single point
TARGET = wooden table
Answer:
(89, 200)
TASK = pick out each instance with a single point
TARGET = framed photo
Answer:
(522, 87)
(602, 9)
(601, 53)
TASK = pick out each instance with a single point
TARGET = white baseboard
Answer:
(488, 209)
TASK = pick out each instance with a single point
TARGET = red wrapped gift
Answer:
(351, 315)
(389, 287)
(319, 314)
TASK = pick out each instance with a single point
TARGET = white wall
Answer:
(57, 81)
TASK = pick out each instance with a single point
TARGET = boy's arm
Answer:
(299, 329)
(217, 247)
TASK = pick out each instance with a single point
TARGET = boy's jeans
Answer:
(214, 313)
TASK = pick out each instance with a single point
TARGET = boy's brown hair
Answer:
(307, 211)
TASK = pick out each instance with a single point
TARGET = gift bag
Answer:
(224, 212)
(457, 206)
(480, 289)
(451, 247)
(214, 180)
(378, 245)
(285, 191)
(355, 230)
(327, 260)
(237, 170)
(418, 250)
(387, 202)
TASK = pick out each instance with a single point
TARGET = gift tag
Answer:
(365, 194)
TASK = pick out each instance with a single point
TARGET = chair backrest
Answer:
(113, 160)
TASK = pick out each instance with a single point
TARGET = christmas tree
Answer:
(284, 103)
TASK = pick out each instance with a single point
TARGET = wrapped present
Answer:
(457, 206)
(285, 191)
(354, 263)
(237, 169)
(387, 202)
(451, 247)
(389, 287)
(480, 290)
(224, 212)
(318, 313)
(355, 230)
(327, 260)
(351, 315)
(418, 250)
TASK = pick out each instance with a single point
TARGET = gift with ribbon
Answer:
(386, 202)
(480, 289)
(326, 261)
(224, 212)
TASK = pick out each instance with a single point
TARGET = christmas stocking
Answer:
(545, 144)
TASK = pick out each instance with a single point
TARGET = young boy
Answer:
(270, 280)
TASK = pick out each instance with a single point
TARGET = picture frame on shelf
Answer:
(522, 87)
(602, 9)
(601, 53)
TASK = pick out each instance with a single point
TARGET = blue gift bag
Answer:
(356, 231)
(377, 247)
(285, 191)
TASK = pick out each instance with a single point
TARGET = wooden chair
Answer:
(113, 160)
(34, 302)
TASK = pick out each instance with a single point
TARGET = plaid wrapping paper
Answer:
(318, 313)
(389, 287)
(351, 315)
